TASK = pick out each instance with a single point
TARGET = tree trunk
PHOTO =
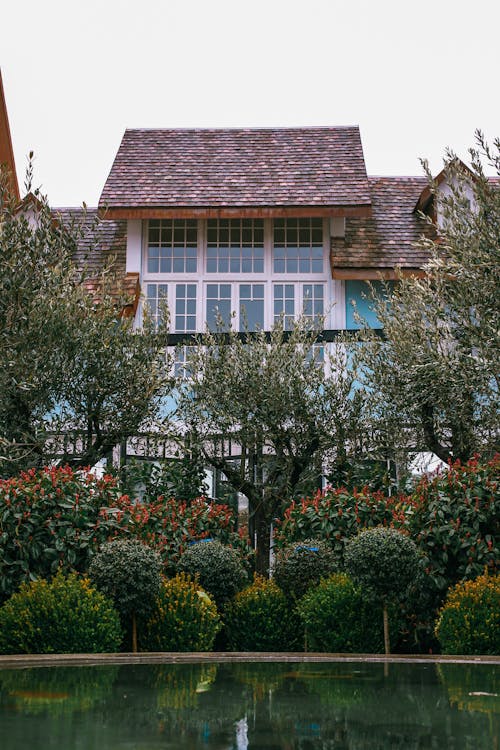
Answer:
(134, 633)
(263, 531)
(387, 644)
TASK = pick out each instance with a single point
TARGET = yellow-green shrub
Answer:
(185, 618)
(65, 616)
(260, 619)
(338, 616)
(469, 621)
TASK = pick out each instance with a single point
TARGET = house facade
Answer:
(256, 224)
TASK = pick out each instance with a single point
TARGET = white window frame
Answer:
(332, 289)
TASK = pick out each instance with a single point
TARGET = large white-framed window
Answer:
(236, 271)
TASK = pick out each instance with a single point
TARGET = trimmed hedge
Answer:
(184, 618)
(220, 569)
(339, 617)
(260, 619)
(469, 621)
(63, 616)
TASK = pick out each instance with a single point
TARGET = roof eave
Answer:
(225, 212)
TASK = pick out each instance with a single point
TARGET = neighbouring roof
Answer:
(166, 170)
(103, 244)
(6, 150)
(96, 248)
(386, 239)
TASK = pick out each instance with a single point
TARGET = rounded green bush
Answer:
(220, 569)
(63, 616)
(260, 619)
(384, 561)
(469, 621)
(184, 619)
(339, 617)
(300, 565)
(129, 573)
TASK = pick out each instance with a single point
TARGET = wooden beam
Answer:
(227, 212)
(373, 274)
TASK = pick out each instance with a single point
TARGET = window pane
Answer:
(300, 243)
(172, 237)
(234, 245)
(251, 306)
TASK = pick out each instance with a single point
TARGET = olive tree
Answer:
(434, 380)
(268, 415)
(68, 361)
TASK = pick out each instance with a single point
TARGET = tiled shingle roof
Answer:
(103, 245)
(96, 249)
(385, 240)
(238, 167)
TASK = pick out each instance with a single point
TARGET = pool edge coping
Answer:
(24, 661)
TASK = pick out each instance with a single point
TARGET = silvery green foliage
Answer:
(268, 416)
(384, 561)
(434, 382)
(68, 361)
(129, 573)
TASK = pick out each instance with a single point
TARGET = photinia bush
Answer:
(336, 515)
(455, 522)
(51, 519)
(168, 525)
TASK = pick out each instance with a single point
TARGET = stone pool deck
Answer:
(23, 661)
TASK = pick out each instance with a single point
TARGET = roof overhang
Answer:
(228, 212)
(374, 274)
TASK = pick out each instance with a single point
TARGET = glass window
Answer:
(172, 246)
(284, 304)
(218, 305)
(251, 306)
(313, 300)
(185, 308)
(235, 246)
(155, 293)
(298, 245)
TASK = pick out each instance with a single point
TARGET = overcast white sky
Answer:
(416, 77)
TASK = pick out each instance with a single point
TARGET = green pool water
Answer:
(250, 706)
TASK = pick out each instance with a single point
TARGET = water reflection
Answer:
(251, 706)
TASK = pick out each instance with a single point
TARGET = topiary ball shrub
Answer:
(385, 562)
(339, 617)
(63, 616)
(260, 619)
(219, 568)
(184, 619)
(469, 621)
(300, 565)
(130, 574)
